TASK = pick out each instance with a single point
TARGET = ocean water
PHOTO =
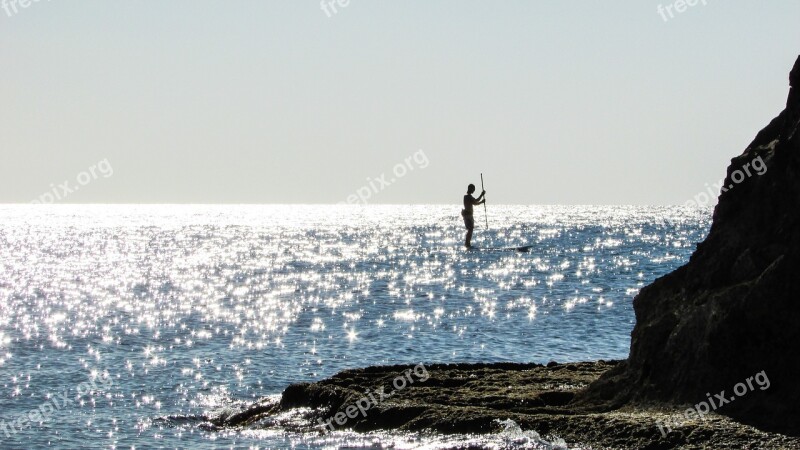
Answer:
(128, 326)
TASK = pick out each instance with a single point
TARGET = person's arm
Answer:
(480, 200)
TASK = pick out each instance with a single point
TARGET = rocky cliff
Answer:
(734, 310)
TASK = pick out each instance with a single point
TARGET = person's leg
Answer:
(469, 224)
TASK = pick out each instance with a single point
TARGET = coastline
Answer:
(478, 398)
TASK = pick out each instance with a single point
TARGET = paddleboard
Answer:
(522, 249)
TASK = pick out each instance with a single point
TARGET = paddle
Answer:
(485, 215)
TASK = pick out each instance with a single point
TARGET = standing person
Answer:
(466, 213)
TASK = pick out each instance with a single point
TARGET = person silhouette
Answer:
(466, 213)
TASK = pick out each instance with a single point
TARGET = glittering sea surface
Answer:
(122, 326)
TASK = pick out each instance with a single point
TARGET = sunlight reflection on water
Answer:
(176, 303)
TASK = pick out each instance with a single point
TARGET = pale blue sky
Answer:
(575, 102)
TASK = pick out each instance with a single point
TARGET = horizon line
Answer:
(333, 204)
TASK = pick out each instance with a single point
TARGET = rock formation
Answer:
(734, 310)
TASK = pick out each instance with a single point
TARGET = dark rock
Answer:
(533, 396)
(556, 398)
(734, 310)
(794, 82)
(246, 416)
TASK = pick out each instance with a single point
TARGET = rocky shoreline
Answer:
(475, 398)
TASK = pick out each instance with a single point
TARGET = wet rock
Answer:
(486, 398)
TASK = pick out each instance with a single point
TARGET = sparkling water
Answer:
(128, 326)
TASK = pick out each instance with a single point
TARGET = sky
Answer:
(384, 102)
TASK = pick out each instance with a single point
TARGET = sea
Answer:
(130, 326)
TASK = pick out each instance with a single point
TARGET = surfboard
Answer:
(523, 249)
